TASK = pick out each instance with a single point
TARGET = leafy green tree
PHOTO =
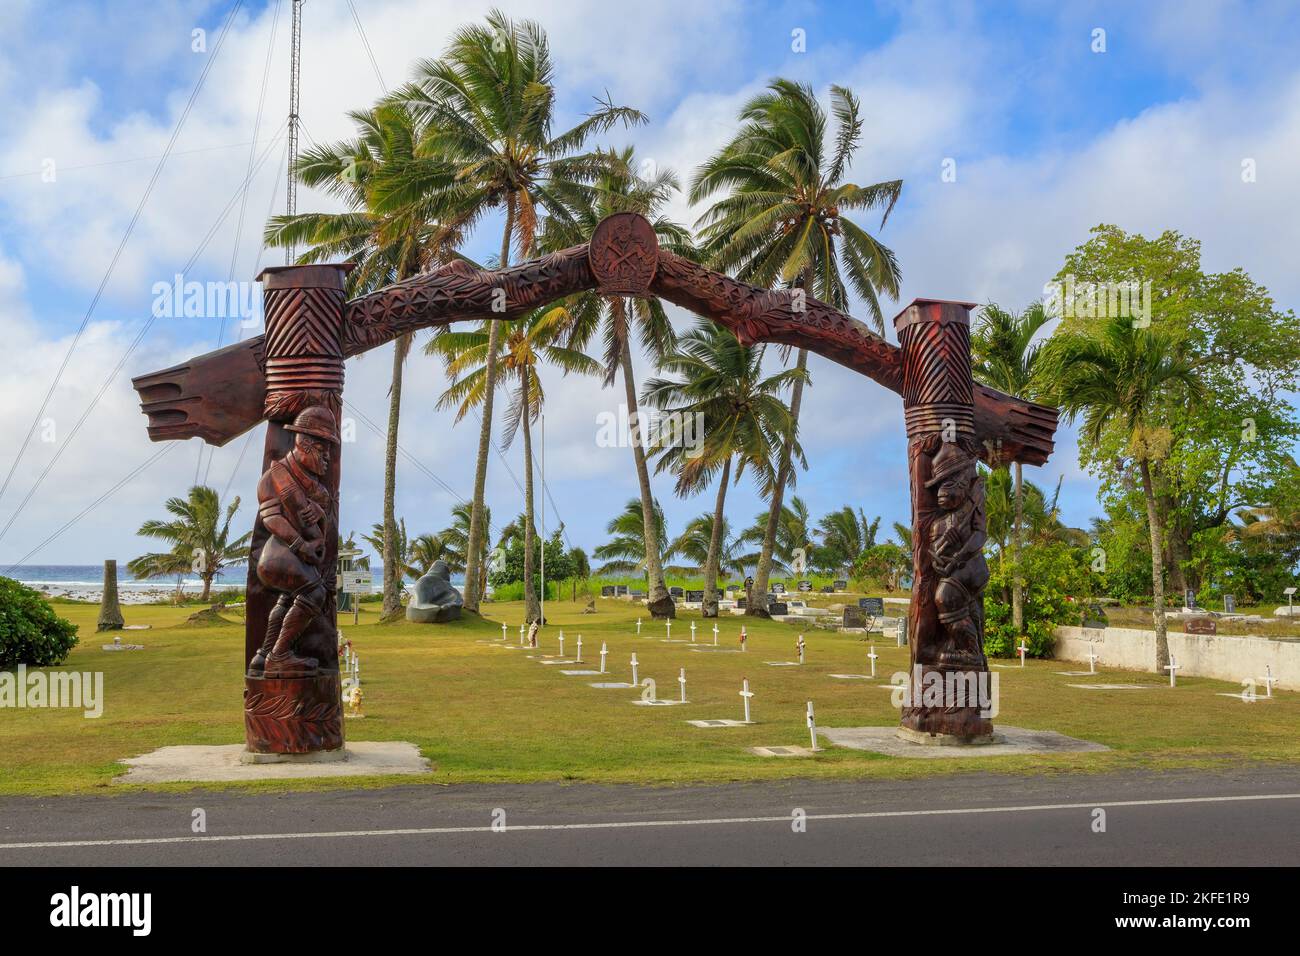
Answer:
(1056, 578)
(721, 408)
(846, 536)
(624, 553)
(488, 109)
(782, 222)
(199, 536)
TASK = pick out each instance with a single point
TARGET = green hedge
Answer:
(30, 632)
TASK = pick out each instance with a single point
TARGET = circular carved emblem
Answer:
(623, 254)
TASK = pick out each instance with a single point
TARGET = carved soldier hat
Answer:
(950, 460)
(317, 421)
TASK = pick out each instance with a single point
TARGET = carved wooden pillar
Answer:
(949, 675)
(292, 698)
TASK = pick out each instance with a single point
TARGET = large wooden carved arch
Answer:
(292, 377)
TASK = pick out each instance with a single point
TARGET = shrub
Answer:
(1055, 577)
(30, 632)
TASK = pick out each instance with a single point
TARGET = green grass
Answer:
(483, 714)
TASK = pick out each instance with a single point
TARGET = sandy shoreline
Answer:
(134, 595)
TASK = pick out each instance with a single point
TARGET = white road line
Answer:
(633, 824)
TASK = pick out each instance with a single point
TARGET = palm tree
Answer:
(400, 545)
(424, 550)
(791, 533)
(200, 539)
(696, 542)
(740, 417)
(455, 538)
(532, 339)
(488, 107)
(1004, 355)
(1119, 377)
(847, 535)
(782, 223)
(903, 532)
(625, 552)
(385, 245)
(618, 320)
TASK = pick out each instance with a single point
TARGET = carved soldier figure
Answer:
(295, 506)
(956, 548)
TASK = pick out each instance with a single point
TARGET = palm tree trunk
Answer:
(715, 546)
(764, 569)
(1017, 583)
(1157, 568)
(207, 587)
(477, 526)
(531, 611)
(392, 576)
(657, 600)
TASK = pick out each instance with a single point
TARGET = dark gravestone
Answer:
(778, 607)
(675, 592)
(742, 603)
(1201, 625)
(902, 631)
(1229, 604)
(1189, 597)
(607, 590)
(855, 617)
(620, 590)
(805, 586)
(694, 597)
(828, 589)
(841, 585)
(873, 606)
(733, 587)
(776, 588)
(637, 594)
(1094, 616)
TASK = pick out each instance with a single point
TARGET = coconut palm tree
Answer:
(385, 246)
(533, 339)
(622, 321)
(455, 538)
(488, 106)
(1119, 377)
(696, 542)
(782, 223)
(792, 533)
(200, 539)
(846, 534)
(624, 553)
(1004, 355)
(721, 409)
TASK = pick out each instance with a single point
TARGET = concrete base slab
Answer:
(1077, 673)
(221, 764)
(579, 673)
(783, 751)
(1245, 698)
(923, 739)
(557, 662)
(717, 650)
(720, 723)
(1114, 686)
(661, 702)
(613, 685)
(1006, 741)
(781, 663)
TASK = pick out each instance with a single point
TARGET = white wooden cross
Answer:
(634, 680)
(1269, 680)
(356, 668)
(681, 679)
(503, 630)
(1023, 649)
(521, 635)
(872, 657)
(561, 644)
(669, 625)
(692, 632)
(1093, 658)
(812, 726)
(746, 694)
(579, 648)
(1172, 667)
(743, 638)
(715, 635)
(799, 648)
(638, 627)
(603, 651)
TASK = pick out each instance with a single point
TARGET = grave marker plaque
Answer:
(841, 585)
(776, 587)
(1201, 625)
(855, 617)
(805, 586)
(1189, 597)
(1229, 604)
(607, 590)
(778, 607)
(873, 606)
(694, 597)
(1095, 617)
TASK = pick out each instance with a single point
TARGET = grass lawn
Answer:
(484, 714)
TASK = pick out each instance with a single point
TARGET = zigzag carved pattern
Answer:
(303, 322)
(936, 364)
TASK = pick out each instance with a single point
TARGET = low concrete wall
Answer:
(1199, 655)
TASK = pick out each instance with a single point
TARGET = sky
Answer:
(1055, 117)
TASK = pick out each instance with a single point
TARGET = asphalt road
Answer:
(1172, 819)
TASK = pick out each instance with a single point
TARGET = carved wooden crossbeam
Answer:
(220, 395)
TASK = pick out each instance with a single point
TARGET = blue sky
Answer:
(1049, 138)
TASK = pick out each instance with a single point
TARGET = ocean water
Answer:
(92, 576)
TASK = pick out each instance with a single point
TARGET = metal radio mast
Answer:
(295, 62)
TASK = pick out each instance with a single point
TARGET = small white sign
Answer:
(354, 582)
